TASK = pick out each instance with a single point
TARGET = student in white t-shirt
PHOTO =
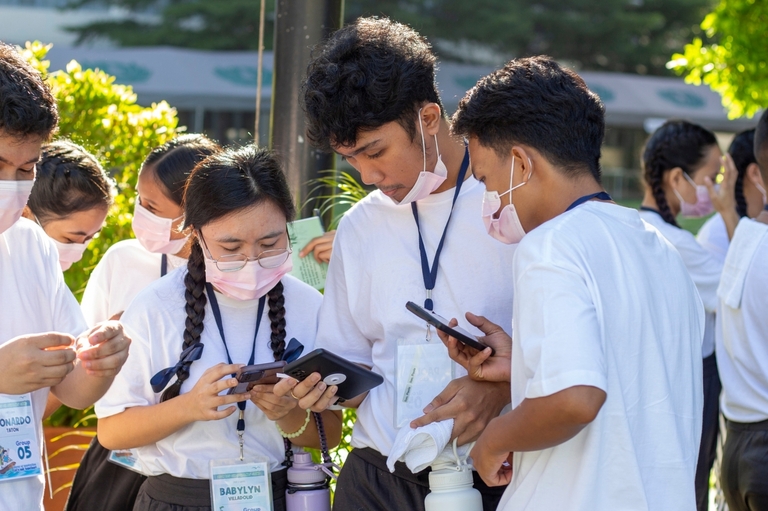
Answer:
(128, 267)
(131, 265)
(370, 96)
(194, 328)
(713, 235)
(605, 366)
(70, 199)
(742, 351)
(681, 161)
(40, 315)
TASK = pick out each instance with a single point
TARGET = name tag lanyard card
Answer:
(423, 367)
(240, 483)
(19, 442)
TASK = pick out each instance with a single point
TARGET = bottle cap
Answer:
(450, 478)
(303, 470)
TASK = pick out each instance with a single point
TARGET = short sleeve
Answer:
(131, 386)
(95, 302)
(338, 331)
(557, 330)
(67, 314)
(705, 270)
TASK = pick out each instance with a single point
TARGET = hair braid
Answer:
(277, 320)
(675, 144)
(195, 308)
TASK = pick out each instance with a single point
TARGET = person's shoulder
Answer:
(130, 248)
(29, 241)
(302, 292)
(161, 295)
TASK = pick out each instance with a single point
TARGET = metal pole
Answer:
(299, 25)
(259, 68)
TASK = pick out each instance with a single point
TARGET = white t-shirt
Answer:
(602, 299)
(125, 269)
(376, 269)
(34, 299)
(742, 340)
(704, 268)
(713, 236)
(155, 322)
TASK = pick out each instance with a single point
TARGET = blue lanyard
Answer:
(765, 208)
(430, 274)
(217, 316)
(582, 200)
(163, 265)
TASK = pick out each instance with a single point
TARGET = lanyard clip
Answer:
(240, 432)
(428, 302)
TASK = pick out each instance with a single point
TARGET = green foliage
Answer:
(334, 193)
(104, 118)
(611, 35)
(733, 57)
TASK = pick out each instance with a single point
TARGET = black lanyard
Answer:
(430, 274)
(163, 265)
(582, 200)
(217, 316)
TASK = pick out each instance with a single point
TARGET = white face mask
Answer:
(154, 232)
(427, 182)
(507, 228)
(13, 198)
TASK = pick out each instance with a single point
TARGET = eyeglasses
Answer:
(231, 263)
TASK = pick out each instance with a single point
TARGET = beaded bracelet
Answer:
(301, 430)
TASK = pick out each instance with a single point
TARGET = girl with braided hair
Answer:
(749, 199)
(682, 161)
(193, 329)
(70, 198)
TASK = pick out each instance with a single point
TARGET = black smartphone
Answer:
(249, 376)
(351, 378)
(439, 322)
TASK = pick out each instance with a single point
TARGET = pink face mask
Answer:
(703, 205)
(69, 253)
(250, 282)
(154, 232)
(13, 198)
(507, 228)
(427, 182)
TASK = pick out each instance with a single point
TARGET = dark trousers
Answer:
(168, 493)
(101, 484)
(365, 484)
(709, 431)
(744, 474)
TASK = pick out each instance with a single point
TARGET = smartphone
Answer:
(441, 324)
(351, 378)
(249, 376)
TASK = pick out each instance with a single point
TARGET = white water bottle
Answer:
(451, 490)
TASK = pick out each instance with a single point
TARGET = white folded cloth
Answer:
(746, 239)
(424, 446)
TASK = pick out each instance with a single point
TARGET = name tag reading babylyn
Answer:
(19, 444)
(238, 485)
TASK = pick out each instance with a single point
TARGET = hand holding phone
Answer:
(442, 324)
(249, 376)
(482, 365)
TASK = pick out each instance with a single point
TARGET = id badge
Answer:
(423, 370)
(238, 485)
(126, 458)
(19, 443)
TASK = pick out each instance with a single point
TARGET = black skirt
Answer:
(101, 484)
(168, 493)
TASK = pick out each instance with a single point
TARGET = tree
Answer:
(733, 57)
(610, 35)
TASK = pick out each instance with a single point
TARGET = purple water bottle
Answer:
(307, 485)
